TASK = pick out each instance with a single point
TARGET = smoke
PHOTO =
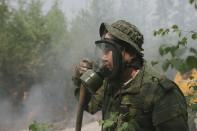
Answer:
(5, 110)
(52, 99)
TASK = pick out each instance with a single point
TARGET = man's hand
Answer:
(83, 66)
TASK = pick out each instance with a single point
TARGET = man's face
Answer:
(107, 59)
(107, 56)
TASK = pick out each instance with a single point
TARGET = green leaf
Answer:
(195, 5)
(113, 115)
(183, 41)
(194, 106)
(163, 33)
(176, 63)
(180, 51)
(155, 33)
(173, 50)
(193, 50)
(164, 49)
(194, 88)
(167, 31)
(191, 1)
(169, 49)
(160, 31)
(175, 27)
(191, 61)
(165, 65)
(111, 121)
(108, 123)
(153, 63)
(194, 36)
(191, 77)
(179, 34)
(33, 126)
(101, 122)
(124, 127)
(161, 50)
(180, 65)
(183, 68)
(192, 96)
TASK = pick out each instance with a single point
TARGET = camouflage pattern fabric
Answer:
(124, 31)
(147, 103)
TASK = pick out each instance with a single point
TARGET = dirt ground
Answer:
(94, 126)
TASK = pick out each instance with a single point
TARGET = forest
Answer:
(40, 48)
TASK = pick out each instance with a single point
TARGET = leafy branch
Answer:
(177, 50)
(36, 126)
(193, 2)
(117, 120)
(175, 56)
(108, 123)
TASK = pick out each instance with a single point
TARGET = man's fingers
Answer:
(82, 70)
(85, 64)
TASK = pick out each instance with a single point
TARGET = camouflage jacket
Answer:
(147, 103)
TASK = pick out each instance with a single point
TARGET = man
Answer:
(133, 97)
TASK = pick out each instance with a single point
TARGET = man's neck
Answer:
(129, 74)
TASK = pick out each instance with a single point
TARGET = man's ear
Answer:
(132, 56)
(128, 56)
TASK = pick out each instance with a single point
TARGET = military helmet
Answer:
(125, 32)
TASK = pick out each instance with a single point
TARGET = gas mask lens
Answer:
(104, 56)
(102, 68)
(108, 58)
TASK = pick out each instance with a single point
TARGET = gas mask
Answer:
(107, 65)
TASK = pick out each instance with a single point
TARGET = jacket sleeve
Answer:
(170, 108)
(93, 102)
(96, 100)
